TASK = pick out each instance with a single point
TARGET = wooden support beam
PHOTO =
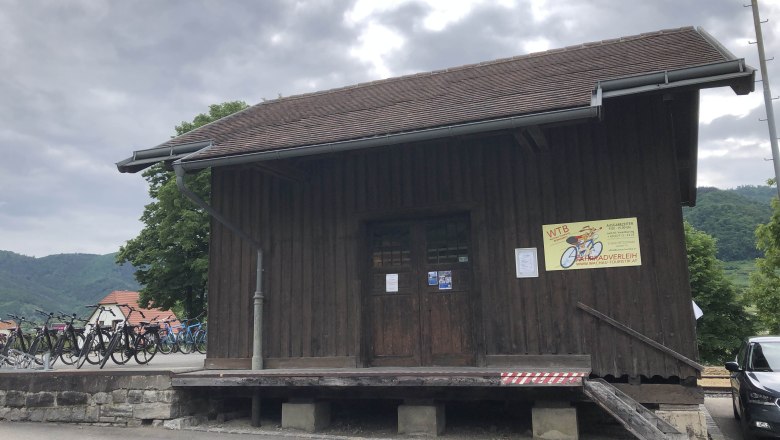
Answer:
(524, 141)
(631, 332)
(538, 137)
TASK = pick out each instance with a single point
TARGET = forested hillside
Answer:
(64, 282)
(731, 216)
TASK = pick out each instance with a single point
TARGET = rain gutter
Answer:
(557, 116)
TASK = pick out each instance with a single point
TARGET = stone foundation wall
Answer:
(126, 400)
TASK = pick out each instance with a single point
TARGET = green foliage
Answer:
(731, 216)
(171, 252)
(64, 282)
(725, 322)
(739, 272)
(764, 290)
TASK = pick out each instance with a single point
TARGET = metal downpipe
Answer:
(258, 297)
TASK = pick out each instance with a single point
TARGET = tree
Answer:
(764, 288)
(171, 251)
(725, 322)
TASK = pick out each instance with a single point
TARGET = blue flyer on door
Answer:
(433, 278)
(445, 280)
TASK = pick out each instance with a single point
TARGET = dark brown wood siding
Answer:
(621, 167)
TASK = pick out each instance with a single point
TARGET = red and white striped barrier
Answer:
(542, 378)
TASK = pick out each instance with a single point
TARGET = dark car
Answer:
(755, 386)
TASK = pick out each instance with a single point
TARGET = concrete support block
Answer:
(310, 417)
(688, 419)
(554, 422)
(425, 419)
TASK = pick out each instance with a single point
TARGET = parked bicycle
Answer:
(69, 341)
(186, 338)
(126, 343)
(96, 341)
(42, 343)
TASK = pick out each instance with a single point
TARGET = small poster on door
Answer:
(391, 282)
(445, 280)
(433, 278)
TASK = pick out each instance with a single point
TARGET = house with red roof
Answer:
(117, 302)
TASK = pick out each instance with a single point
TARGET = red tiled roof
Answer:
(552, 80)
(7, 325)
(131, 298)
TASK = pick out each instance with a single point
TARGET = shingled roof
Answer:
(531, 84)
(131, 298)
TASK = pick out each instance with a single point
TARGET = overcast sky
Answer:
(84, 83)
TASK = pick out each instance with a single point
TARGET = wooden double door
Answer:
(419, 298)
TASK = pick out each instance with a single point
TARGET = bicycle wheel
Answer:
(200, 341)
(70, 352)
(99, 347)
(167, 343)
(86, 348)
(56, 352)
(145, 348)
(186, 343)
(596, 250)
(123, 350)
(569, 257)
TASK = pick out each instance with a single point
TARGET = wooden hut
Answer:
(517, 214)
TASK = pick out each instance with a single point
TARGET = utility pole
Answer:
(770, 113)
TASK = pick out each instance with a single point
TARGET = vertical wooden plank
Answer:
(528, 220)
(296, 311)
(549, 172)
(234, 257)
(277, 274)
(243, 292)
(307, 268)
(319, 254)
(329, 290)
(444, 162)
(481, 311)
(342, 339)
(216, 298)
(510, 180)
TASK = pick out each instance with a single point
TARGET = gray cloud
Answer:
(85, 82)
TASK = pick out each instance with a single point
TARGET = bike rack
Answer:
(20, 360)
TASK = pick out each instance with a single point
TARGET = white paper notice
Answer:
(391, 282)
(525, 263)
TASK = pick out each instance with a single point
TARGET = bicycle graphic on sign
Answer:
(583, 247)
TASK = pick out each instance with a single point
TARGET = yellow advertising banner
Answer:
(592, 244)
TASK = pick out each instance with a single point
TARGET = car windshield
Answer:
(765, 356)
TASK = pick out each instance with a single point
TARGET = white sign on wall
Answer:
(526, 263)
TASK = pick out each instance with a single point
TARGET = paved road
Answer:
(30, 431)
(721, 411)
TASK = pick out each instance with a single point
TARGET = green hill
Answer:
(731, 216)
(64, 282)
